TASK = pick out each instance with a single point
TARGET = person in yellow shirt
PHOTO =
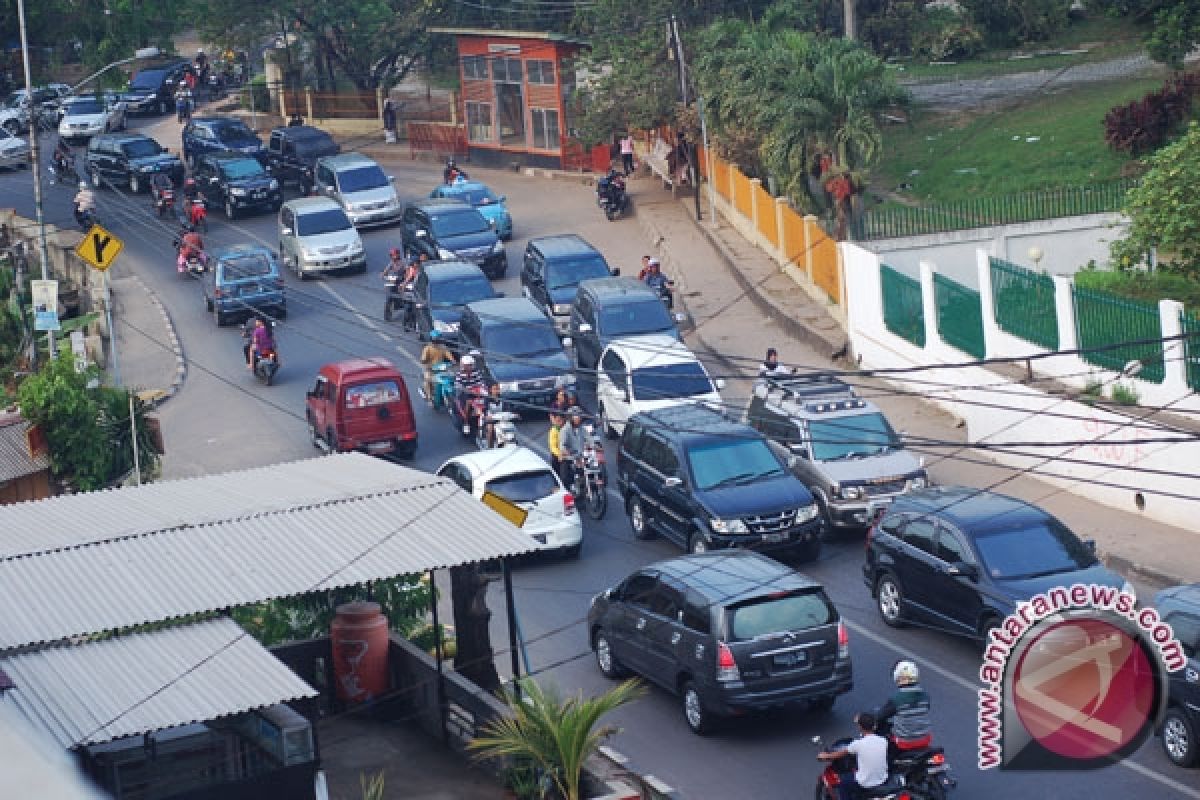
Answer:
(552, 441)
(433, 353)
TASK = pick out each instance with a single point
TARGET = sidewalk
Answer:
(148, 358)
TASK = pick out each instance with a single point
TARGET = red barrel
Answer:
(360, 651)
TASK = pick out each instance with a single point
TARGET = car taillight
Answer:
(870, 535)
(568, 504)
(937, 759)
(843, 641)
(727, 668)
(218, 293)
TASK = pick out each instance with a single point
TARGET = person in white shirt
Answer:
(870, 754)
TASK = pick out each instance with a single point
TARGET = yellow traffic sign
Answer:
(99, 248)
(505, 508)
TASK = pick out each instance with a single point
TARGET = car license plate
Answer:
(936, 770)
(379, 447)
(774, 538)
(792, 659)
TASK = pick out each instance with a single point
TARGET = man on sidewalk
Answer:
(627, 153)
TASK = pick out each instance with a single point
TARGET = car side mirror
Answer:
(585, 327)
(793, 460)
(963, 569)
(1090, 544)
(421, 233)
(311, 393)
(672, 482)
(680, 316)
(719, 383)
(391, 178)
(566, 342)
(614, 271)
(625, 396)
(285, 231)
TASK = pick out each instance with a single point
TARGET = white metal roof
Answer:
(131, 685)
(361, 530)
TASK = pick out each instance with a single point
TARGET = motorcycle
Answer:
(266, 364)
(475, 406)
(86, 219)
(611, 197)
(196, 211)
(591, 478)
(923, 768)
(665, 289)
(62, 171)
(193, 264)
(216, 89)
(164, 201)
(894, 788)
(503, 428)
(443, 384)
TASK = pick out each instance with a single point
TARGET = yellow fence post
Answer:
(755, 186)
(810, 241)
(781, 253)
(308, 102)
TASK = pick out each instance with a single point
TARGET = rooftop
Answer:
(730, 574)
(489, 33)
(15, 460)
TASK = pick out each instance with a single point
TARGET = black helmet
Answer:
(450, 162)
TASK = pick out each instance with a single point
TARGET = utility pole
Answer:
(687, 147)
(36, 163)
(848, 10)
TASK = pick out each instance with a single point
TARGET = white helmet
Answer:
(82, 185)
(468, 361)
(905, 672)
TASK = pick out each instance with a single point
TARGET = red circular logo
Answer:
(1084, 688)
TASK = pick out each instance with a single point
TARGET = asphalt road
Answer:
(223, 419)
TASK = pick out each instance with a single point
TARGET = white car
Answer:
(522, 477)
(14, 151)
(84, 117)
(647, 373)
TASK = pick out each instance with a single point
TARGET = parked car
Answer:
(18, 112)
(315, 235)
(607, 309)
(14, 151)
(729, 632)
(522, 477)
(441, 293)
(15, 116)
(238, 183)
(292, 154)
(84, 117)
(448, 229)
(520, 348)
(129, 159)
(152, 89)
(646, 373)
(962, 559)
(360, 186)
(839, 444)
(361, 404)
(706, 483)
(203, 135)
(487, 202)
(241, 280)
(1179, 607)
(553, 268)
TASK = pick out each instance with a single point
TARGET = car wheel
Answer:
(13, 127)
(208, 303)
(697, 544)
(604, 425)
(218, 316)
(698, 717)
(135, 183)
(97, 181)
(1179, 738)
(823, 705)
(331, 440)
(230, 211)
(313, 436)
(573, 551)
(606, 660)
(890, 600)
(808, 551)
(638, 520)
(278, 204)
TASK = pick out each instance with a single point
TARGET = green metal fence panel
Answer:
(902, 310)
(1190, 324)
(959, 315)
(1023, 303)
(1104, 320)
(900, 221)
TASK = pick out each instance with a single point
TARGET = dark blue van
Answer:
(241, 280)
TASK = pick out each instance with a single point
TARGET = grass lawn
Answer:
(1148, 287)
(1053, 139)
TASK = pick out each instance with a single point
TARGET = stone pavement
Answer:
(149, 357)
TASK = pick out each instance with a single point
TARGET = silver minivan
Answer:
(360, 186)
(315, 235)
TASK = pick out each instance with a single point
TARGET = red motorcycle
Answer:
(465, 412)
(164, 202)
(829, 779)
(197, 213)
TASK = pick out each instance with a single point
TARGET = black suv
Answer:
(441, 293)
(220, 135)
(553, 269)
(237, 182)
(446, 229)
(1179, 607)
(292, 154)
(152, 90)
(706, 483)
(129, 158)
(606, 309)
(521, 350)
(962, 559)
(728, 632)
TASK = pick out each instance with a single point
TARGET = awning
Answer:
(143, 682)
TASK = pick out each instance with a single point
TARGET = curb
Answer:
(175, 346)
(1132, 570)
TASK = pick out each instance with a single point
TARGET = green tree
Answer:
(554, 733)
(1006, 23)
(1173, 26)
(1164, 210)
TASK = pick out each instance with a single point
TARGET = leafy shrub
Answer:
(945, 34)
(1144, 125)
(1007, 23)
(1125, 395)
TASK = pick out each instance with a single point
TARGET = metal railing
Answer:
(1023, 302)
(903, 313)
(1103, 319)
(959, 315)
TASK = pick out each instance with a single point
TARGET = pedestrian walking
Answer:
(627, 153)
(389, 121)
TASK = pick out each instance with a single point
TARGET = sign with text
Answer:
(79, 350)
(99, 248)
(45, 305)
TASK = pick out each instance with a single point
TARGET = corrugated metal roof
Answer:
(73, 520)
(131, 685)
(14, 452)
(429, 524)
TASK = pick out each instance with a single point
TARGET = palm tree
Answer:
(554, 733)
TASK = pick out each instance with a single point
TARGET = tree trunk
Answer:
(473, 658)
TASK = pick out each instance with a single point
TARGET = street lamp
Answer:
(144, 52)
(1036, 255)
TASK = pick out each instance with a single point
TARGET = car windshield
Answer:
(1045, 547)
(627, 319)
(250, 265)
(775, 613)
(314, 223)
(361, 179)
(80, 107)
(851, 437)
(232, 132)
(147, 79)
(313, 146)
(141, 148)
(476, 195)
(460, 291)
(524, 487)
(686, 379)
(573, 271)
(376, 393)
(242, 168)
(458, 223)
(521, 338)
(732, 461)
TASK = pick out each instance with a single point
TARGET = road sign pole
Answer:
(137, 468)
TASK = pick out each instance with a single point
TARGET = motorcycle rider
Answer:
(572, 441)
(452, 172)
(432, 354)
(159, 183)
(660, 283)
(904, 718)
(396, 267)
(262, 341)
(552, 438)
(191, 246)
(63, 159)
(495, 405)
(191, 191)
(870, 755)
(85, 204)
(467, 382)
